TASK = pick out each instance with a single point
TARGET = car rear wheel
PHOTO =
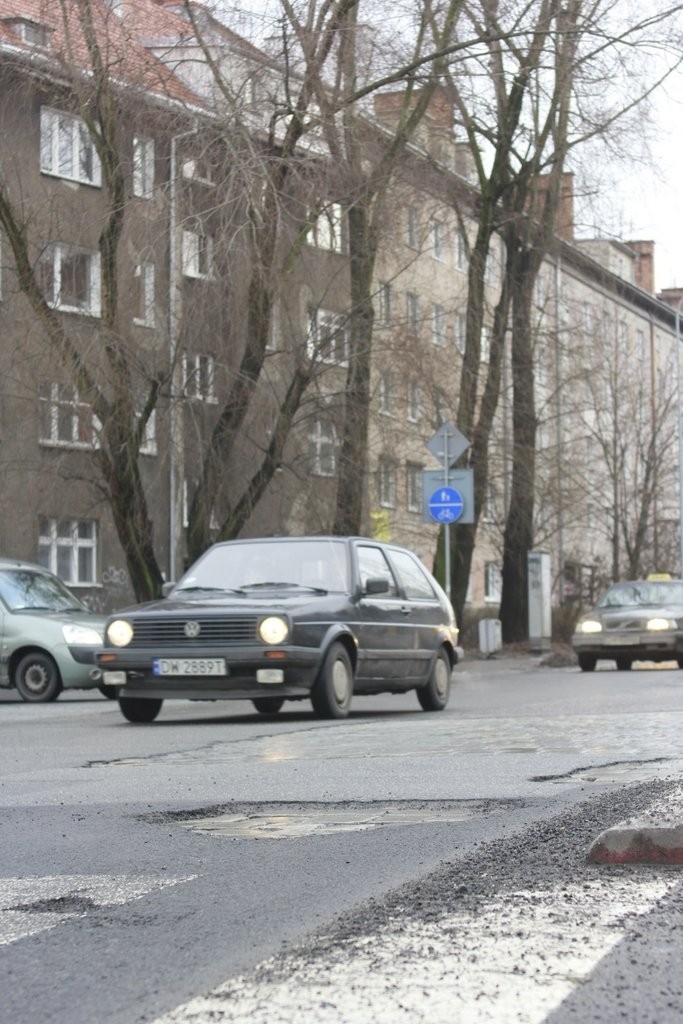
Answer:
(139, 709)
(587, 662)
(268, 705)
(333, 689)
(624, 664)
(680, 662)
(36, 678)
(434, 696)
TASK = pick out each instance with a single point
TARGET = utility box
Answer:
(540, 601)
(490, 636)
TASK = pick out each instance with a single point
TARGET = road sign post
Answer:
(446, 504)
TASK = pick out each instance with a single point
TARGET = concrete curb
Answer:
(654, 838)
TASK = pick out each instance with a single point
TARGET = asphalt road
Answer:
(219, 865)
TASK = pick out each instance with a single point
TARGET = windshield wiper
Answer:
(215, 590)
(282, 585)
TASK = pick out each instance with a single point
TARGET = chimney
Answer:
(644, 265)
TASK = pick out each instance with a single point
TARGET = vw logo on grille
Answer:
(192, 629)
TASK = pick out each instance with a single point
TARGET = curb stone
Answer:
(656, 837)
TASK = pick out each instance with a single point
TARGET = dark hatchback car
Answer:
(270, 620)
(638, 620)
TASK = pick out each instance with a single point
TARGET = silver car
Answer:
(638, 620)
(48, 638)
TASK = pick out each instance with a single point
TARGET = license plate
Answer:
(189, 667)
(622, 641)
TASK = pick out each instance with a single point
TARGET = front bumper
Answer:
(284, 672)
(639, 646)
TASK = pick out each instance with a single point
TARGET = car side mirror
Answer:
(376, 585)
(166, 589)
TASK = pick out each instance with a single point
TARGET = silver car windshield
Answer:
(313, 564)
(23, 588)
(657, 594)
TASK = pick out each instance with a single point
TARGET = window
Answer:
(438, 233)
(413, 487)
(328, 337)
(492, 582)
(116, 6)
(438, 325)
(142, 295)
(414, 402)
(412, 228)
(31, 32)
(197, 254)
(322, 442)
(70, 279)
(640, 345)
(372, 565)
(386, 299)
(198, 169)
(64, 418)
(485, 353)
(148, 441)
(588, 319)
(461, 334)
(413, 311)
(66, 149)
(327, 229)
(387, 396)
(68, 548)
(461, 251)
(412, 577)
(199, 377)
(143, 168)
(387, 483)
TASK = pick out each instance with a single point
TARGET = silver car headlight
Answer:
(82, 636)
(273, 630)
(659, 623)
(119, 633)
(589, 626)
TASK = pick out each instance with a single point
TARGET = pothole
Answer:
(614, 772)
(296, 821)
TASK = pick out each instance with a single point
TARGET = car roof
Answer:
(15, 563)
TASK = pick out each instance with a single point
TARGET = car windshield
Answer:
(319, 565)
(627, 595)
(26, 588)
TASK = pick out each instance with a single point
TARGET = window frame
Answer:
(55, 126)
(322, 448)
(55, 540)
(144, 167)
(56, 253)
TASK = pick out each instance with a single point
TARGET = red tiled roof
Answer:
(119, 39)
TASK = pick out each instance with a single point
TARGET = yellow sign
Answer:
(381, 529)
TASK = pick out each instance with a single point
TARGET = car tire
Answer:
(268, 705)
(680, 662)
(587, 662)
(333, 689)
(37, 678)
(110, 692)
(139, 709)
(434, 696)
(624, 664)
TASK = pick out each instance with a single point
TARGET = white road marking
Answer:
(509, 960)
(22, 899)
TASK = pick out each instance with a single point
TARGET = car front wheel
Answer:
(587, 662)
(624, 664)
(434, 696)
(37, 678)
(333, 689)
(139, 709)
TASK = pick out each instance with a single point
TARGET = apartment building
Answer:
(179, 317)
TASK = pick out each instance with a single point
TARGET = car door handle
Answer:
(405, 610)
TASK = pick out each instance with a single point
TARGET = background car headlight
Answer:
(82, 635)
(659, 623)
(589, 626)
(119, 633)
(273, 630)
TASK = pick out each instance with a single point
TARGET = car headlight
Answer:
(84, 636)
(589, 626)
(659, 623)
(273, 630)
(119, 633)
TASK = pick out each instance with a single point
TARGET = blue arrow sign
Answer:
(446, 505)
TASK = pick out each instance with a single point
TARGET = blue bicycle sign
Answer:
(446, 505)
